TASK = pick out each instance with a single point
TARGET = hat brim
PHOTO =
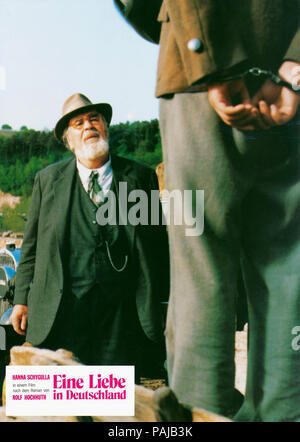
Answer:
(103, 108)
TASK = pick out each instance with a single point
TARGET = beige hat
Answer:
(77, 104)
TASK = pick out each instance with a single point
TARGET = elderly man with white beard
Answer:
(96, 290)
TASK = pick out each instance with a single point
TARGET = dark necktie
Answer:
(94, 189)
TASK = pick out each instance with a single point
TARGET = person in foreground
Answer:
(236, 137)
(89, 286)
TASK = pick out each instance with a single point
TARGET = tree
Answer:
(27, 151)
(6, 126)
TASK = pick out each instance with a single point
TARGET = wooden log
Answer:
(160, 405)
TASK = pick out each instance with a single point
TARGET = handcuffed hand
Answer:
(18, 318)
(278, 105)
(272, 105)
(232, 103)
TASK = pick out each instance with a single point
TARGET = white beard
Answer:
(92, 150)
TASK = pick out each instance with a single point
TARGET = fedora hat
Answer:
(78, 104)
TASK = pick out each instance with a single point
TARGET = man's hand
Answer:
(272, 105)
(277, 104)
(19, 318)
(232, 103)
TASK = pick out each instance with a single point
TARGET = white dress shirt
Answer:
(105, 176)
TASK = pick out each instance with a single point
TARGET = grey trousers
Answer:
(251, 222)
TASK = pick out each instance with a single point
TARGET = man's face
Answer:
(87, 136)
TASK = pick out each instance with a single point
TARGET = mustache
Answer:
(92, 133)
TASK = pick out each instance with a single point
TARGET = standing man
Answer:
(236, 137)
(91, 288)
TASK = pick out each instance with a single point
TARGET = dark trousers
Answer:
(103, 330)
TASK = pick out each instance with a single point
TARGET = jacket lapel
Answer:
(123, 174)
(62, 188)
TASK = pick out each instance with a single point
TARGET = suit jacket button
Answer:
(195, 45)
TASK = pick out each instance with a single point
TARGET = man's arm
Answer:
(142, 15)
(277, 104)
(293, 52)
(25, 270)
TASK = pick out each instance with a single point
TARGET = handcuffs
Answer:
(263, 74)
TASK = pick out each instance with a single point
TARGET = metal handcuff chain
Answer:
(263, 73)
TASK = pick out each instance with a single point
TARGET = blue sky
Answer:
(50, 49)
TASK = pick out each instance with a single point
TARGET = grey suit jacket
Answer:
(40, 275)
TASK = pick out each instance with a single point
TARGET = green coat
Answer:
(251, 32)
(40, 274)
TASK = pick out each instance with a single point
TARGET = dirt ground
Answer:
(6, 199)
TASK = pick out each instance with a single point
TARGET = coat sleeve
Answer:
(142, 15)
(293, 52)
(25, 270)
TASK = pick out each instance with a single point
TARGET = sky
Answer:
(50, 49)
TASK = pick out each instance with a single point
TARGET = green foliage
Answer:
(15, 219)
(139, 141)
(24, 153)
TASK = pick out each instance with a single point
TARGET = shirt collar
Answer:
(104, 172)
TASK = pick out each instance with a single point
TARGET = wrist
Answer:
(290, 71)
